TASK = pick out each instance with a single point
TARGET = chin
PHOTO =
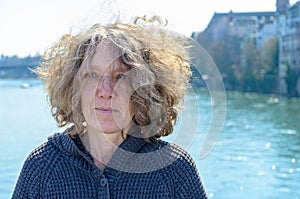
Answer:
(113, 127)
(111, 131)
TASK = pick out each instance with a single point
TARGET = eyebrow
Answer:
(115, 66)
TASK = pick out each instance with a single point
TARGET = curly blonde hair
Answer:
(161, 70)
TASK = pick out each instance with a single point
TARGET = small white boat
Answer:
(25, 85)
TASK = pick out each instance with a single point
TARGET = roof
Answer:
(218, 16)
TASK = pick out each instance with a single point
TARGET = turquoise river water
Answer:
(257, 154)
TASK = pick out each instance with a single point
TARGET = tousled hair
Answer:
(159, 65)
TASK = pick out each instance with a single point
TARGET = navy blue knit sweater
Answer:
(62, 168)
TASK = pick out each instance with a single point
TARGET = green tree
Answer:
(269, 53)
(249, 71)
(269, 60)
(291, 80)
(226, 54)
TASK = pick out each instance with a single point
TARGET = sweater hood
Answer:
(132, 155)
(73, 145)
(65, 143)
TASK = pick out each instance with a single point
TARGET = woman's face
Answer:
(105, 96)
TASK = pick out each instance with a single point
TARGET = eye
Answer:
(91, 75)
(121, 76)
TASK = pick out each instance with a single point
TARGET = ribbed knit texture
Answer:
(62, 168)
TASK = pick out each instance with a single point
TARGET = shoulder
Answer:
(35, 170)
(164, 155)
(44, 153)
(184, 165)
(170, 150)
(41, 158)
(180, 170)
(184, 159)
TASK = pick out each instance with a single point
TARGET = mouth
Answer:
(105, 110)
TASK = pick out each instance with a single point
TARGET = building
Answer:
(283, 24)
(258, 25)
(289, 42)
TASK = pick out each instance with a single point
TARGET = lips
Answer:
(105, 110)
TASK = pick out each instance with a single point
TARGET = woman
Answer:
(117, 89)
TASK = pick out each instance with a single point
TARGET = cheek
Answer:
(88, 91)
(124, 100)
(131, 109)
(86, 98)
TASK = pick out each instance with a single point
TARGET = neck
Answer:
(101, 145)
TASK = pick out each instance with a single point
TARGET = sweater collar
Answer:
(72, 145)
(120, 159)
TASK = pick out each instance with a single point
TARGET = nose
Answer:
(105, 88)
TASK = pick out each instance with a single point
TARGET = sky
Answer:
(28, 27)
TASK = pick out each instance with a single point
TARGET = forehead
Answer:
(106, 56)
